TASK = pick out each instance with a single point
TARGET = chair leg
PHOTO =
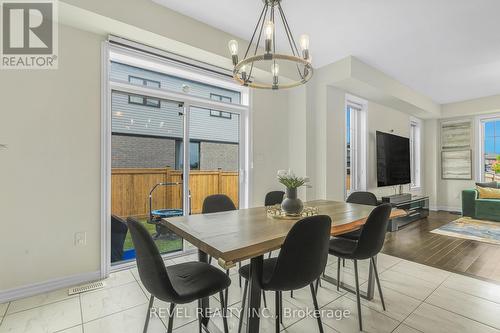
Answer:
(291, 293)
(277, 303)
(227, 290)
(281, 306)
(171, 318)
(264, 298)
(223, 304)
(199, 317)
(316, 308)
(357, 294)
(210, 259)
(239, 266)
(318, 283)
(343, 262)
(148, 315)
(243, 301)
(338, 274)
(269, 256)
(378, 282)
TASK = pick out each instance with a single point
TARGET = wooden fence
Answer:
(130, 189)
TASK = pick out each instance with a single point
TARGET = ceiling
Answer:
(448, 50)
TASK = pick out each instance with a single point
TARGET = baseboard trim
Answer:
(46, 286)
(446, 208)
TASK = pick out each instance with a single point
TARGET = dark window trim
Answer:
(221, 114)
(220, 97)
(144, 81)
(144, 101)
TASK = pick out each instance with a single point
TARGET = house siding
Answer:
(215, 156)
(142, 152)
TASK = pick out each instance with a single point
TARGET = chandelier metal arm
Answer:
(287, 26)
(291, 41)
(262, 14)
(258, 41)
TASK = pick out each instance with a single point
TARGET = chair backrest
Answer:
(363, 198)
(274, 198)
(372, 235)
(217, 203)
(118, 234)
(303, 255)
(150, 263)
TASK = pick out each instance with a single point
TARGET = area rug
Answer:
(467, 228)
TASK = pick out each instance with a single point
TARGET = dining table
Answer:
(234, 236)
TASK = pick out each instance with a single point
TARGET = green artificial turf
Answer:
(164, 245)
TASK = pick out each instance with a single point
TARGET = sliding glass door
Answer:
(174, 141)
(146, 181)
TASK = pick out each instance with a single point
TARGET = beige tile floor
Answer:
(418, 299)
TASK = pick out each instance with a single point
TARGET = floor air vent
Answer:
(86, 287)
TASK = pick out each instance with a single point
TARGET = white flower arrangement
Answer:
(290, 180)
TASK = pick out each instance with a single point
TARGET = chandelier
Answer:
(266, 29)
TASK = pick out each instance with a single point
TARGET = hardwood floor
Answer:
(416, 243)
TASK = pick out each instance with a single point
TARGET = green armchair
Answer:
(481, 209)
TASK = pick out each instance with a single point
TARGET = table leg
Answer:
(368, 294)
(204, 303)
(253, 319)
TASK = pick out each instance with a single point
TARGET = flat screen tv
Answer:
(393, 160)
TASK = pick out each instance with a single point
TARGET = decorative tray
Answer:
(276, 212)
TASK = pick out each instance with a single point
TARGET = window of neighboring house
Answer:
(355, 147)
(221, 98)
(490, 129)
(194, 152)
(142, 100)
(415, 151)
(220, 114)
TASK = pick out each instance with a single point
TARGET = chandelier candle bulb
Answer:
(304, 45)
(268, 32)
(275, 70)
(233, 48)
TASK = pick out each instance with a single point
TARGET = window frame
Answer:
(358, 144)
(479, 160)
(415, 153)
(134, 57)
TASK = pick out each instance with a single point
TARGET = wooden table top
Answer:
(246, 233)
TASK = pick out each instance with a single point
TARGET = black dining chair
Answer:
(118, 234)
(362, 198)
(177, 284)
(299, 263)
(367, 246)
(217, 203)
(274, 198)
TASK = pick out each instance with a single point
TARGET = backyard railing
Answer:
(130, 189)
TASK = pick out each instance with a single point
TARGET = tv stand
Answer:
(416, 207)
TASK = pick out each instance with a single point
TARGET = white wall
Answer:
(270, 141)
(50, 173)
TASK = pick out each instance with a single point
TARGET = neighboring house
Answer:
(147, 132)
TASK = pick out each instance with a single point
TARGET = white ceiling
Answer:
(448, 50)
